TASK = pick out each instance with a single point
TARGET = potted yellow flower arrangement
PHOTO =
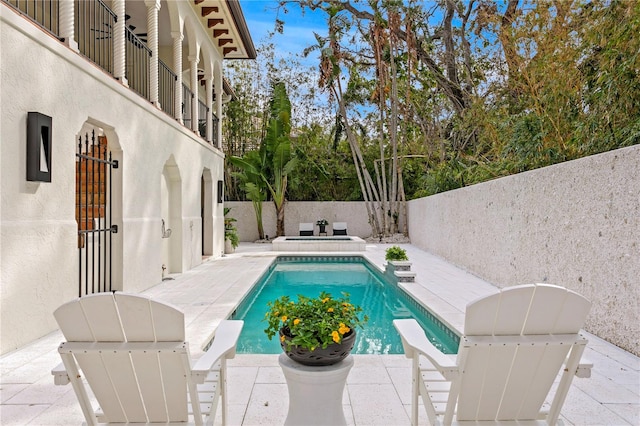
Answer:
(314, 331)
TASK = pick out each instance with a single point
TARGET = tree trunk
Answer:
(257, 208)
(280, 219)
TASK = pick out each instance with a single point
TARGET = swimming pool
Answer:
(381, 301)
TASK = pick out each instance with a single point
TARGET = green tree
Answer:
(273, 163)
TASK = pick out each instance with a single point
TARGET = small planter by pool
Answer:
(329, 243)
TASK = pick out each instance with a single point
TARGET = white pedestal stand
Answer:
(315, 393)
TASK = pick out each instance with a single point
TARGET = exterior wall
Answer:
(354, 213)
(575, 224)
(38, 231)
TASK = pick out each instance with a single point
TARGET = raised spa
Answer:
(328, 243)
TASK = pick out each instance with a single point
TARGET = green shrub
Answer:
(395, 253)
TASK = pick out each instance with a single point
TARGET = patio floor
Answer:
(378, 387)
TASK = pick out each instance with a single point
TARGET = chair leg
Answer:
(415, 388)
(223, 389)
(76, 382)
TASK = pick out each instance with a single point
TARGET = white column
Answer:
(177, 68)
(209, 102)
(193, 61)
(67, 24)
(153, 6)
(119, 57)
(217, 106)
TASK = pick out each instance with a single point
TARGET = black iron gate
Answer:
(94, 167)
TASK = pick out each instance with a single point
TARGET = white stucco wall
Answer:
(38, 231)
(575, 224)
(354, 213)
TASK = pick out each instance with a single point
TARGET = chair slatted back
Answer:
(130, 385)
(511, 381)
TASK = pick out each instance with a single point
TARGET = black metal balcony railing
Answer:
(44, 12)
(167, 86)
(202, 118)
(94, 32)
(137, 70)
(187, 95)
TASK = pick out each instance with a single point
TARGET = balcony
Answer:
(96, 34)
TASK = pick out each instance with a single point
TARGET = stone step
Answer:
(405, 276)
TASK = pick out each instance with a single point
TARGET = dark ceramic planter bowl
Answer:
(330, 355)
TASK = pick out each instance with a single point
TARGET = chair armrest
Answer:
(60, 376)
(223, 345)
(415, 342)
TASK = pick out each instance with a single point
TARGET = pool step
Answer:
(400, 270)
(405, 276)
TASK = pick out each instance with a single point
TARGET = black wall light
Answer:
(38, 147)
(220, 192)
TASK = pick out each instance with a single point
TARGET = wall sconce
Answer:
(38, 147)
(220, 192)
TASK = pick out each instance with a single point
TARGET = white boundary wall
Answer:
(354, 213)
(575, 224)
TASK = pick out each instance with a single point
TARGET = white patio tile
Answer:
(240, 382)
(605, 390)
(9, 390)
(376, 404)
(628, 412)
(268, 405)
(582, 409)
(64, 411)
(368, 369)
(401, 379)
(20, 415)
(270, 375)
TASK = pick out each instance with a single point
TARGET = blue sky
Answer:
(298, 30)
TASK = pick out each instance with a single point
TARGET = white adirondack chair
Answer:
(132, 353)
(514, 345)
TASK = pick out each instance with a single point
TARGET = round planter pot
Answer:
(330, 355)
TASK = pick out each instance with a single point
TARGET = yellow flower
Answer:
(330, 310)
(284, 318)
(282, 338)
(296, 321)
(343, 329)
(336, 336)
(326, 299)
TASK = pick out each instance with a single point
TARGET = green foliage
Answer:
(313, 323)
(269, 167)
(395, 253)
(230, 231)
(505, 91)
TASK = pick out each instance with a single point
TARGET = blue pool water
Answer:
(381, 301)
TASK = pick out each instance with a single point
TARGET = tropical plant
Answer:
(322, 222)
(252, 182)
(313, 323)
(230, 231)
(271, 166)
(395, 253)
